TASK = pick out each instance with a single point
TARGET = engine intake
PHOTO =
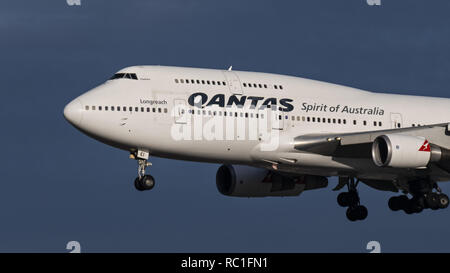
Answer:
(404, 151)
(245, 181)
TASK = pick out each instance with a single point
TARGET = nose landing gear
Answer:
(144, 181)
(350, 199)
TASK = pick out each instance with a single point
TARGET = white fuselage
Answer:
(156, 115)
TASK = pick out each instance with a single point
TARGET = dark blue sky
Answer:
(58, 185)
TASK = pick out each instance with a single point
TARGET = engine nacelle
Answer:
(245, 181)
(403, 151)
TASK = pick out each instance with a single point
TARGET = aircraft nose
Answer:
(73, 112)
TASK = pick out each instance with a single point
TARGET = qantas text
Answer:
(201, 99)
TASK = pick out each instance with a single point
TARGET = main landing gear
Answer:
(423, 197)
(350, 199)
(144, 181)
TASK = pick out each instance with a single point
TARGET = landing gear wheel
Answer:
(361, 212)
(443, 201)
(394, 203)
(137, 184)
(357, 213)
(143, 182)
(351, 200)
(342, 199)
(147, 182)
(432, 200)
(351, 214)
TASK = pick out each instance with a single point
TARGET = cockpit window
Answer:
(131, 76)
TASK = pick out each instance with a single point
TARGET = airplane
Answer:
(274, 135)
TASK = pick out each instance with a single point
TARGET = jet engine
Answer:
(404, 151)
(245, 181)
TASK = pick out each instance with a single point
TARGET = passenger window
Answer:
(112, 108)
(265, 85)
(224, 83)
(364, 123)
(379, 123)
(106, 108)
(260, 85)
(86, 107)
(148, 109)
(281, 87)
(245, 85)
(275, 87)
(182, 81)
(159, 110)
(176, 80)
(165, 110)
(118, 108)
(213, 83)
(100, 108)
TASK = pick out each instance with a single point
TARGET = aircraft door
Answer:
(277, 119)
(233, 82)
(180, 111)
(396, 120)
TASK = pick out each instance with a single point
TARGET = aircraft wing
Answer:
(357, 145)
(351, 151)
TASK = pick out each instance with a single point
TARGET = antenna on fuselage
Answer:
(230, 68)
